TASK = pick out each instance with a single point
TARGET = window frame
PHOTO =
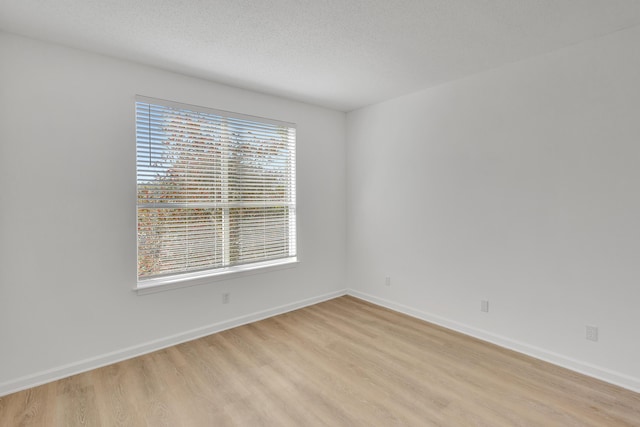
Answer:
(191, 278)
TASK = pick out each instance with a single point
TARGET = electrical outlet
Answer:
(484, 306)
(387, 281)
(226, 297)
(592, 333)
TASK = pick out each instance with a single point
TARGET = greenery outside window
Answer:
(215, 192)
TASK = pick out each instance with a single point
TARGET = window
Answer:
(216, 192)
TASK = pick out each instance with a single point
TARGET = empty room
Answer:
(319, 213)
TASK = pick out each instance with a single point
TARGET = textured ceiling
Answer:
(342, 54)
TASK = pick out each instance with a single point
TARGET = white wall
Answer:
(520, 185)
(67, 214)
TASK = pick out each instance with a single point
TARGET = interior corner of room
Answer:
(502, 204)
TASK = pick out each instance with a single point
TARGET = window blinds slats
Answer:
(213, 190)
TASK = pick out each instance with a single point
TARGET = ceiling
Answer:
(342, 54)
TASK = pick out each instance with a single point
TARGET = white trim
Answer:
(67, 370)
(161, 284)
(214, 111)
(588, 369)
(226, 131)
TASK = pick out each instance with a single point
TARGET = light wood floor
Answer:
(340, 363)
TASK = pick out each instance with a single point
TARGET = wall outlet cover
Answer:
(484, 306)
(592, 333)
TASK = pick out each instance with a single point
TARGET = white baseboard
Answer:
(64, 371)
(600, 373)
(151, 346)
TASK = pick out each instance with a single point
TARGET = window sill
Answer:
(162, 284)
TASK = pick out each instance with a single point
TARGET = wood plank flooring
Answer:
(343, 362)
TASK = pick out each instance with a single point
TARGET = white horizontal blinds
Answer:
(215, 189)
